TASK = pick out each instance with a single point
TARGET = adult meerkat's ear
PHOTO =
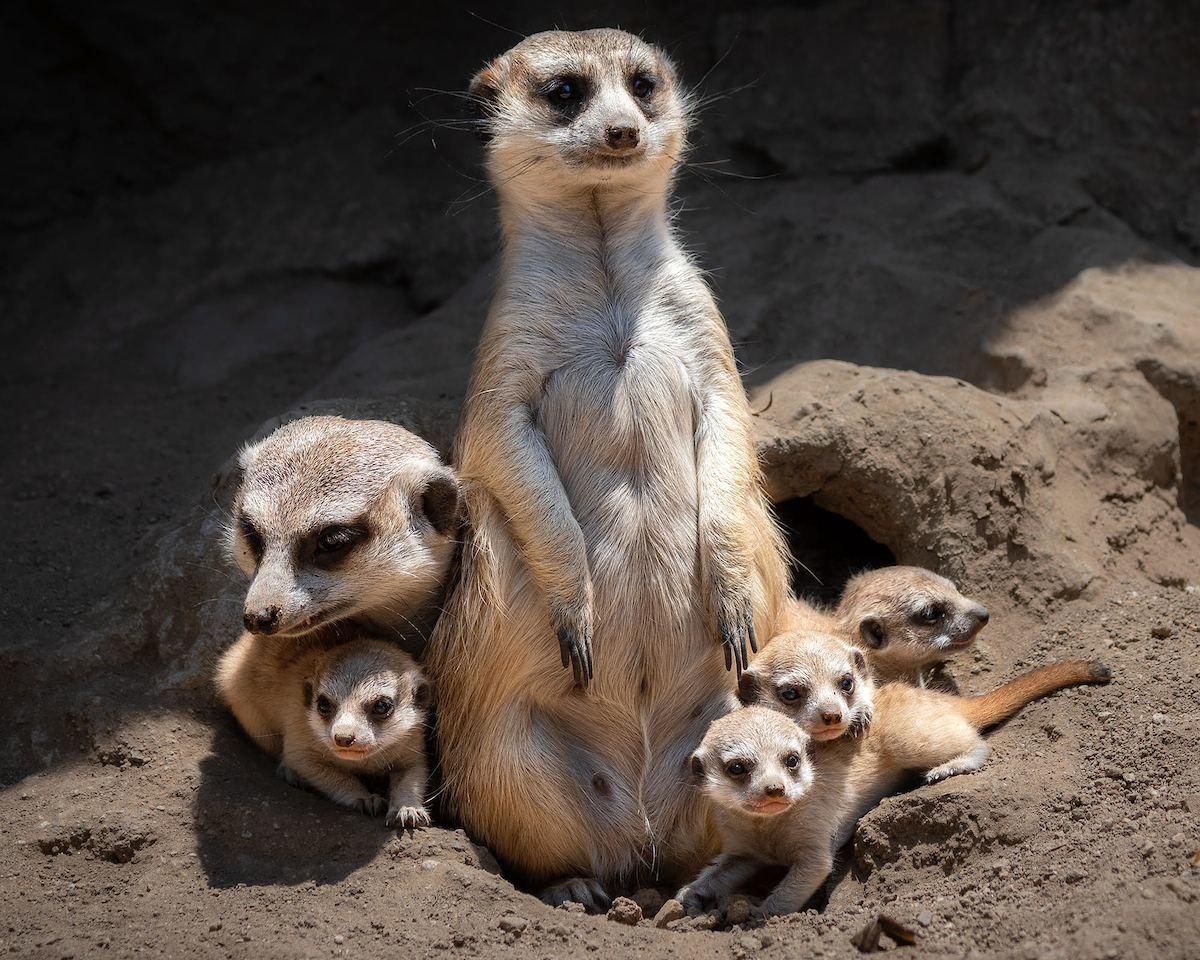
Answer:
(442, 503)
(422, 689)
(484, 91)
(697, 766)
(872, 633)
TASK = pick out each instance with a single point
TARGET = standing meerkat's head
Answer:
(364, 697)
(565, 110)
(338, 519)
(822, 683)
(908, 618)
(753, 761)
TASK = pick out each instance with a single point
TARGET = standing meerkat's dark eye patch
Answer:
(332, 543)
(930, 613)
(250, 534)
(324, 706)
(642, 85)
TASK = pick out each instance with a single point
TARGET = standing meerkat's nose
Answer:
(773, 790)
(264, 620)
(621, 138)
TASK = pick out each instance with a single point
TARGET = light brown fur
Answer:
(274, 686)
(619, 525)
(910, 729)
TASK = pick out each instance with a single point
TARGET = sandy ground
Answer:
(962, 286)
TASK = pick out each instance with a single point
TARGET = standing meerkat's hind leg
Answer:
(585, 890)
(967, 762)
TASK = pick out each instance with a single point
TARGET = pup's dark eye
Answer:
(251, 535)
(337, 538)
(789, 694)
(382, 708)
(791, 761)
(847, 683)
(642, 85)
(735, 768)
(324, 705)
(931, 613)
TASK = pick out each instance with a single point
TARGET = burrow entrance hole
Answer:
(826, 549)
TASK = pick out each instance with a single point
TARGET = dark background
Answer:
(205, 208)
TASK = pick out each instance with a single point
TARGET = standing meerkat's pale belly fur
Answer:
(619, 526)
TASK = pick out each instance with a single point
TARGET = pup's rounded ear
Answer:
(422, 691)
(872, 633)
(697, 768)
(442, 502)
(749, 688)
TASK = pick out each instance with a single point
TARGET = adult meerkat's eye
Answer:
(847, 682)
(930, 613)
(565, 91)
(382, 708)
(791, 761)
(336, 539)
(324, 706)
(735, 769)
(642, 85)
(250, 534)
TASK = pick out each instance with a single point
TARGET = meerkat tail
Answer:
(988, 709)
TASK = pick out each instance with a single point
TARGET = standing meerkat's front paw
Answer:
(573, 627)
(735, 628)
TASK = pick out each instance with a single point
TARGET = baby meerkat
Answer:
(351, 710)
(864, 741)
(618, 521)
(908, 619)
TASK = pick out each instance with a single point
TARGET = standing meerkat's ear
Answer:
(484, 89)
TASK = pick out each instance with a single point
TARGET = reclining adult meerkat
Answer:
(352, 710)
(865, 740)
(336, 522)
(619, 526)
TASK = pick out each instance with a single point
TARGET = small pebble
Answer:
(626, 911)
(671, 910)
(338, 938)
(514, 925)
(924, 918)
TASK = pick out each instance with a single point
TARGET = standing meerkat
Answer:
(864, 742)
(336, 522)
(338, 714)
(619, 526)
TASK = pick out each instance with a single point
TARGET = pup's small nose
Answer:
(622, 138)
(773, 790)
(343, 739)
(264, 620)
(981, 614)
(831, 717)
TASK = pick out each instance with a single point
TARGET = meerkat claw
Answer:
(576, 650)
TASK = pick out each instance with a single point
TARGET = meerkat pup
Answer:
(865, 740)
(908, 620)
(355, 709)
(619, 526)
(335, 522)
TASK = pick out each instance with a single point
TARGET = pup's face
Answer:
(907, 617)
(588, 108)
(363, 699)
(753, 761)
(337, 518)
(820, 682)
